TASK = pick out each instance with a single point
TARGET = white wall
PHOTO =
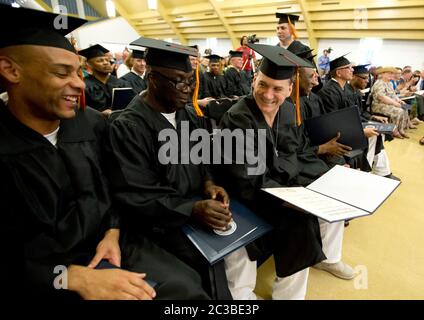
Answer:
(113, 34)
(378, 52)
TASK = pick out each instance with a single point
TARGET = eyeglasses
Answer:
(179, 85)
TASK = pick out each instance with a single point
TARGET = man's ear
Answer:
(9, 70)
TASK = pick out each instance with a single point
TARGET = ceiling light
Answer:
(152, 4)
(110, 9)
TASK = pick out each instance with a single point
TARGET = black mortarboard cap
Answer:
(306, 55)
(165, 54)
(138, 54)
(284, 18)
(236, 54)
(93, 52)
(214, 58)
(21, 26)
(278, 63)
(339, 62)
(361, 69)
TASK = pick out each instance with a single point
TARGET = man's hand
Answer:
(215, 192)
(203, 102)
(108, 249)
(109, 284)
(370, 132)
(334, 148)
(212, 213)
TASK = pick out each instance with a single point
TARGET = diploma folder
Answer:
(385, 128)
(214, 247)
(342, 193)
(121, 97)
(347, 121)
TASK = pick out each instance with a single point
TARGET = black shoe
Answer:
(391, 176)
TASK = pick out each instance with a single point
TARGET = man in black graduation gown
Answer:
(237, 82)
(59, 227)
(376, 155)
(136, 78)
(296, 240)
(312, 106)
(158, 195)
(213, 81)
(286, 32)
(99, 85)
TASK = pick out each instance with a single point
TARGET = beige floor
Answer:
(387, 248)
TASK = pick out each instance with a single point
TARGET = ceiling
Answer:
(199, 19)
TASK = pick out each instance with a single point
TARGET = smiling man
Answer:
(296, 240)
(59, 227)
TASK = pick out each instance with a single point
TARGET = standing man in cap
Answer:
(59, 226)
(295, 241)
(324, 62)
(136, 78)
(99, 85)
(158, 195)
(237, 82)
(286, 33)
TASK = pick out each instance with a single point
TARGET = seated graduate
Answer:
(99, 85)
(58, 223)
(154, 181)
(311, 106)
(376, 155)
(214, 82)
(296, 242)
(136, 78)
(237, 81)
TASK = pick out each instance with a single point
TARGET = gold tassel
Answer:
(196, 93)
(294, 31)
(298, 115)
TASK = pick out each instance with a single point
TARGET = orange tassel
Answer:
(196, 93)
(293, 29)
(298, 115)
(81, 98)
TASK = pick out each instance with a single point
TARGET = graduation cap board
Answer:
(21, 26)
(361, 69)
(286, 18)
(165, 54)
(235, 54)
(138, 54)
(93, 52)
(213, 58)
(170, 55)
(280, 64)
(339, 62)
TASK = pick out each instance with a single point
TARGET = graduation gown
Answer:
(296, 240)
(214, 86)
(98, 94)
(296, 46)
(334, 97)
(154, 198)
(55, 206)
(136, 82)
(237, 83)
(58, 208)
